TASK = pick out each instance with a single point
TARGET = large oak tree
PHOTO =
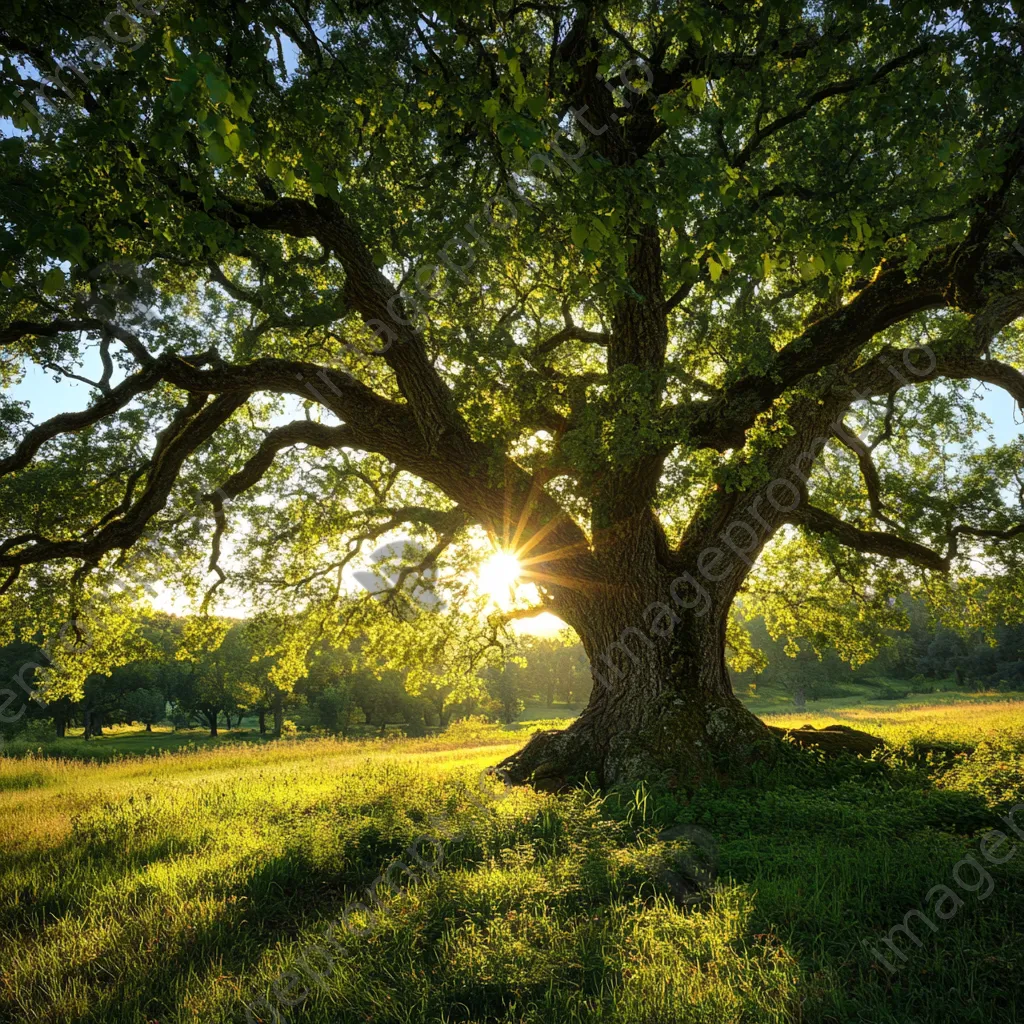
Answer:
(636, 287)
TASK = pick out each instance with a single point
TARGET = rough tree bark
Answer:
(211, 714)
(662, 704)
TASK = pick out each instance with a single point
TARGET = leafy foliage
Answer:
(585, 279)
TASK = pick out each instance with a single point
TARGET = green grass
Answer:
(128, 741)
(183, 886)
(774, 697)
(542, 712)
(954, 720)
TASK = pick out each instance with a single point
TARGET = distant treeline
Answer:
(917, 660)
(338, 694)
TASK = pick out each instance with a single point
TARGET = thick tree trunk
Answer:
(149, 727)
(662, 706)
(652, 617)
(262, 715)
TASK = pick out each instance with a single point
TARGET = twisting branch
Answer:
(887, 426)
(816, 99)
(722, 421)
(18, 329)
(318, 435)
(12, 578)
(73, 422)
(180, 440)
(962, 530)
(875, 377)
(868, 469)
(371, 294)
(570, 333)
(888, 545)
(298, 432)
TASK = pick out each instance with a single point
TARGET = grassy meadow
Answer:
(167, 880)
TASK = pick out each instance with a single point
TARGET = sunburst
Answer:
(498, 576)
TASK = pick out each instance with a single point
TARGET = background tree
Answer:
(145, 706)
(329, 692)
(218, 663)
(639, 291)
(554, 669)
(503, 688)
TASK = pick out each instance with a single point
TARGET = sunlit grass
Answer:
(178, 887)
(966, 720)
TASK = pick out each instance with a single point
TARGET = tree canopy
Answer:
(604, 280)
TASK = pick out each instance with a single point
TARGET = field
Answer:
(222, 881)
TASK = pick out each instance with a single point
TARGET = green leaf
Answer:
(53, 281)
(180, 90)
(219, 152)
(714, 268)
(77, 235)
(579, 234)
(672, 116)
(219, 88)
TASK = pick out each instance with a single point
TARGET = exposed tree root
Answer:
(685, 752)
(680, 744)
(833, 739)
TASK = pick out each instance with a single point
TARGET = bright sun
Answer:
(498, 576)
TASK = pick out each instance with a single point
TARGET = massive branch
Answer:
(377, 301)
(872, 542)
